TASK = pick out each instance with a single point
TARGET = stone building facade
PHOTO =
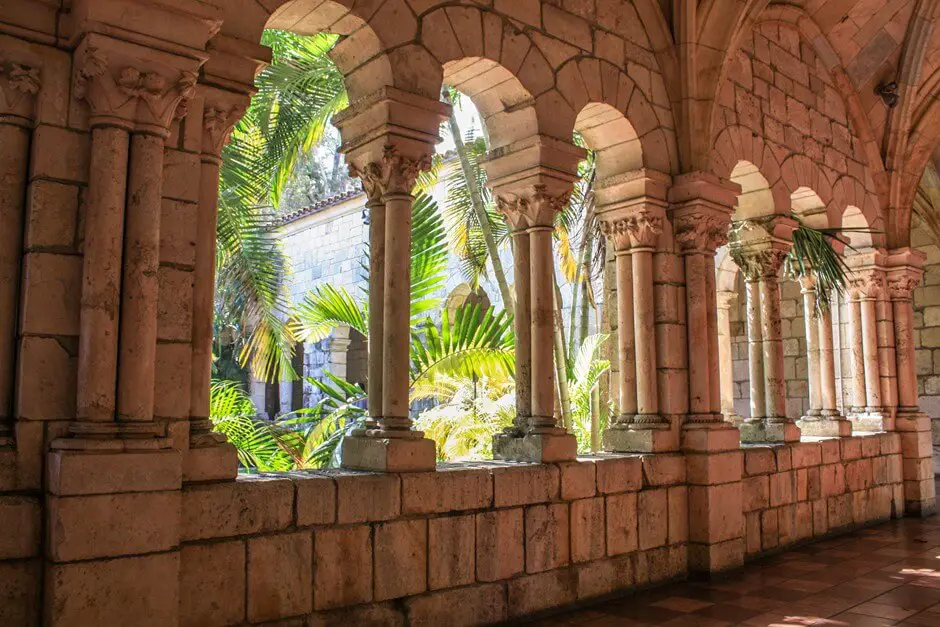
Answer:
(714, 124)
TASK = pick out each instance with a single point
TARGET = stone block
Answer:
(806, 454)
(715, 513)
(755, 493)
(831, 451)
(280, 576)
(916, 444)
(401, 559)
(871, 445)
(604, 577)
(366, 497)
(890, 443)
(752, 531)
(782, 488)
(920, 498)
(879, 470)
(678, 498)
(652, 518)
(181, 171)
(622, 523)
(46, 378)
(248, 505)
(851, 448)
(578, 480)
(784, 457)
(786, 524)
(500, 548)
(388, 454)
(667, 563)
(715, 468)
(587, 529)
(172, 380)
(111, 525)
(51, 215)
(534, 593)
(210, 463)
(619, 474)
(212, 584)
(546, 537)
(759, 461)
(769, 532)
(21, 521)
(52, 294)
(663, 470)
(20, 589)
(820, 517)
(342, 566)
(178, 233)
(451, 551)
(879, 503)
(475, 605)
(858, 475)
(175, 305)
(523, 485)
(59, 154)
(374, 614)
(715, 558)
(446, 490)
(832, 480)
(839, 513)
(315, 499)
(141, 591)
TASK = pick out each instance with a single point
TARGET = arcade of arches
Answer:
(747, 419)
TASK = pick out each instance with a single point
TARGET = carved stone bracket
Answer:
(696, 233)
(867, 283)
(396, 175)
(758, 263)
(901, 283)
(19, 84)
(221, 112)
(538, 209)
(618, 232)
(128, 92)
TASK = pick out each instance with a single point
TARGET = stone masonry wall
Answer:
(501, 541)
(927, 324)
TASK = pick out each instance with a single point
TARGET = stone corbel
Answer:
(701, 233)
(701, 205)
(618, 232)
(134, 88)
(19, 85)
(221, 112)
(904, 272)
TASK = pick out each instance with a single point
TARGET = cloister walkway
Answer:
(883, 575)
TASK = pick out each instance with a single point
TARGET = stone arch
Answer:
(738, 144)
(726, 271)
(614, 140)
(809, 189)
(857, 207)
(606, 99)
(757, 197)
(809, 207)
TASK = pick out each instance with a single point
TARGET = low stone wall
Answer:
(501, 540)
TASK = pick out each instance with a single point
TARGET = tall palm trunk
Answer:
(579, 302)
(479, 209)
(561, 359)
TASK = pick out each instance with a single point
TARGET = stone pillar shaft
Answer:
(697, 330)
(644, 333)
(101, 274)
(14, 160)
(774, 386)
(725, 354)
(755, 352)
(140, 288)
(811, 326)
(857, 354)
(626, 341)
(542, 312)
(827, 366)
(397, 313)
(522, 321)
(870, 355)
(904, 351)
(711, 307)
(377, 224)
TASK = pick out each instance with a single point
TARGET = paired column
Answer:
(904, 273)
(387, 442)
(725, 356)
(869, 412)
(19, 85)
(761, 265)
(535, 435)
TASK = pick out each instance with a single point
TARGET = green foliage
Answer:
(583, 377)
(234, 415)
(812, 255)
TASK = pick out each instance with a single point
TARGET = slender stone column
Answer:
(644, 228)
(543, 369)
(522, 321)
(725, 356)
(19, 85)
(901, 286)
(397, 310)
(774, 385)
(626, 340)
(857, 355)
(868, 283)
(827, 366)
(755, 352)
(811, 326)
(696, 308)
(711, 307)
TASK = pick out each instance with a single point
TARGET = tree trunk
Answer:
(561, 361)
(582, 289)
(479, 210)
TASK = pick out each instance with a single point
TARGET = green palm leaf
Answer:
(326, 307)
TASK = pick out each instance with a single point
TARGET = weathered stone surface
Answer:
(475, 605)
(20, 587)
(532, 593)
(653, 518)
(401, 559)
(662, 470)
(622, 530)
(212, 584)
(446, 491)
(342, 570)
(619, 474)
(271, 595)
(365, 497)
(522, 485)
(452, 551)
(377, 614)
(21, 519)
(249, 505)
(500, 544)
(578, 480)
(315, 499)
(546, 537)
(588, 531)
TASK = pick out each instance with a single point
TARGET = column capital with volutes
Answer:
(700, 207)
(395, 174)
(904, 271)
(221, 111)
(19, 84)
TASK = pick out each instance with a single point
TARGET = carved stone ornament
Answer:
(725, 299)
(760, 263)
(701, 233)
(645, 227)
(618, 232)
(140, 100)
(217, 125)
(19, 85)
(535, 210)
(901, 285)
(396, 175)
(867, 283)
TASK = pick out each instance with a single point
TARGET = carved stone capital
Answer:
(395, 175)
(758, 263)
(724, 300)
(645, 227)
(537, 209)
(219, 117)
(19, 84)
(143, 95)
(867, 283)
(617, 232)
(901, 283)
(695, 233)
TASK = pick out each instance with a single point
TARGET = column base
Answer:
(868, 421)
(758, 432)
(825, 427)
(536, 447)
(732, 418)
(710, 437)
(113, 436)
(643, 438)
(389, 454)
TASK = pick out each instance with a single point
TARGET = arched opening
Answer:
(809, 208)
(756, 198)
(856, 230)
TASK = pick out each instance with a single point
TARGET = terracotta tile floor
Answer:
(885, 575)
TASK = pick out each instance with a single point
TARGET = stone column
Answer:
(857, 355)
(208, 457)
(626, 343)
(536, 437)
(761, 262)
(725, 356)
(644, 228)
(905, 269)
(19, 85)
(755, 351)
(389, 443)
(811, 327)
(869, 285)
(829, 422)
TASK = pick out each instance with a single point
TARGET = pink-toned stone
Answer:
(533, 593)
(756, 493)
(578, 480)
(21, 520)
(401, 559)
(249, 505)
(451, 551)
(446, 490)
(667, 563)
(315, 499)
(715, 468)
(384, 614)
(871, 445)
(212, 584)
(622, 529)
(831, 451)
(604, 577)
(342, 566)
(752, 532)
(523, 485)
(619, 474)
(271, 594)
(851, 448)
(546, 537)
(759, 461)
(20, 592)
(500, 551)
(364, 497)
(715, 513)
(475, 605)
(782, 488)
(678, 498)
(653, 518)
(663, 470)
(587, 529)
(806, 454)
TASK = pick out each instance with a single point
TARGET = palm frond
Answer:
(428, 255)
(812, 254)
(325, 308)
